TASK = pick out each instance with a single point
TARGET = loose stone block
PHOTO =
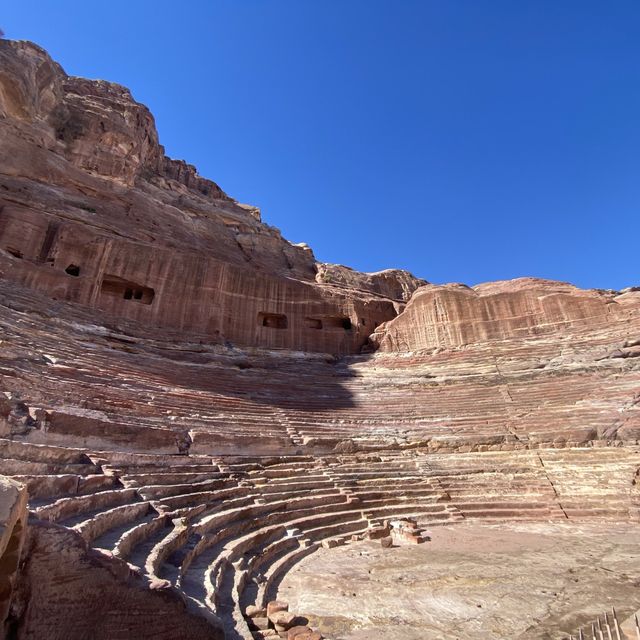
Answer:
(297, 632)
(276, 605)
(283, 620)
(253, 611)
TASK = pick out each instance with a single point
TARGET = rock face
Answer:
(92, 211)
(13, 521)
(186, 397)
(455, 315)
(82, 594)
(395, 284)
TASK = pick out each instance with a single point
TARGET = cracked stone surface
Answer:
(527, 581)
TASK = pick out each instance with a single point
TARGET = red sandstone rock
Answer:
(128, 285)
(252, 611)
(275, 606)
(143, 237)
(77, 592)
(297, 631)
(456, 315)
(282, 620)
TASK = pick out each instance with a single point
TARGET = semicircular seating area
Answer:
(213, 471)
(225, 530)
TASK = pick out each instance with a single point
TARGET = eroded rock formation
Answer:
(194, 404)
(455, 315)
(91, 210)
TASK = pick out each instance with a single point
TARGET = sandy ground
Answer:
(475, 581)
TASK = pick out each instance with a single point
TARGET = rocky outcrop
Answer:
(96, 125)
(69, 592)
(13, 522)
(172, 401)
(92, 211)
(395, 284)
(455, 315)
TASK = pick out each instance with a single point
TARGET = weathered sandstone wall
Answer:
(455, 315)
(13, 523)
(92, 211)
(67, 591)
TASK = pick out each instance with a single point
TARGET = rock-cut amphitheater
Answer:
(206, 433)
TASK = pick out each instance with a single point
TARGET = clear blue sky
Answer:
(464, 140)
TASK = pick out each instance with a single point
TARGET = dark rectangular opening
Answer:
(337, 322)
(272, 320)
(313, 323)
(73, 270)
(125, 289)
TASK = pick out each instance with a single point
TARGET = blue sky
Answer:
(464, 140)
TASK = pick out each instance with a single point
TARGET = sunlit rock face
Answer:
(93, 211)
(194, 405)
(455, 315)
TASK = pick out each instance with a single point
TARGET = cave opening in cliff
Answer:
(73, 270)
(338, 322)
(313, 323)
(121, 288)
(15, 253)
(273, 320)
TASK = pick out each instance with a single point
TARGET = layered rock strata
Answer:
(92, 211)
(13, 523)
(195, 404)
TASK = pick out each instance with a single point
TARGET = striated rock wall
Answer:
(212, 299)
(455, 315)
(92, 211)
(13, 522)
(69, 592)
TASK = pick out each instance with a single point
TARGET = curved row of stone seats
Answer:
(595, 483)
(233, 546)
(221, 529)
(146, 391)
(77, 508)
(249, 417)
(215, 528)
(235, 562)
(568, 483)
(45, 488)
(198, 503)
(227, 542)
(52, 473)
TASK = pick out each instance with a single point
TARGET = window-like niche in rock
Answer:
(337, 322)
(272, 320)
(15, 252)
(120, 288)
(313, 323)
(73, 270)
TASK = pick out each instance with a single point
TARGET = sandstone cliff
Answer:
(172, 444)
(455, 315)
(92, 211)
